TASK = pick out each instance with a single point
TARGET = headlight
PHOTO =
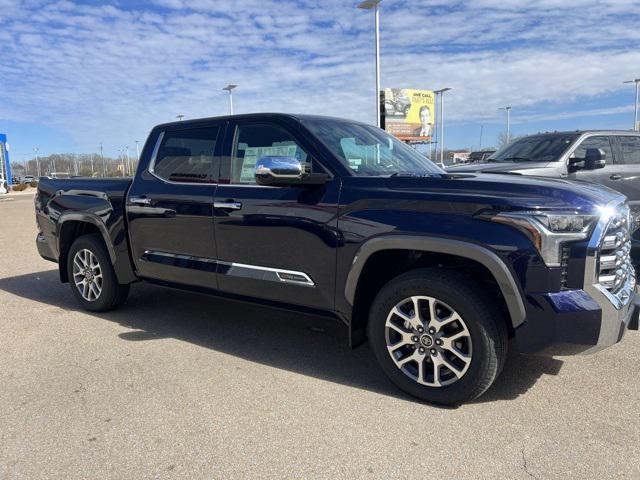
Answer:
(548, 230)
(566, 223)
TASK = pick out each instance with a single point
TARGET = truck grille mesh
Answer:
(615, 271)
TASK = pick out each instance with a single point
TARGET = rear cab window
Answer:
(186, 155)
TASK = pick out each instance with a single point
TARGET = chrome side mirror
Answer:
(278, 167)
(281, 170)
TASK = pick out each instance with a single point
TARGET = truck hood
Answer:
(526, 168)
(510, 191)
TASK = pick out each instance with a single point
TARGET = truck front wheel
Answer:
(437, 337)
(91, 275)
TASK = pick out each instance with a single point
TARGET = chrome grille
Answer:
(615, 271)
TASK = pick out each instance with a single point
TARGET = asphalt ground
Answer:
(178, 385)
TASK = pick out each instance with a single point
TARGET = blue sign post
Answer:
(5, 162)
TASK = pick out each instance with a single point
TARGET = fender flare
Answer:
(500, 271)
(87, 218)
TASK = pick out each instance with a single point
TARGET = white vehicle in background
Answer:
(29, 179)
(60, 175)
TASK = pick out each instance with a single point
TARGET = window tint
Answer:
(187, 155)
(256, 141)
(630, 148)
(601, 143)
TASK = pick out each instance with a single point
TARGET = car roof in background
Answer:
(582, 132)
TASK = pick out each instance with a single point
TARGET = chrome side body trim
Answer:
(228, 205)
(267, 273)
(257, 272)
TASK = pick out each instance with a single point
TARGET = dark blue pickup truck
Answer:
(439, 271)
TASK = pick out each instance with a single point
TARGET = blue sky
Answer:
(77, 73)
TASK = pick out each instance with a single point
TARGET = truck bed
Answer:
(96, 204)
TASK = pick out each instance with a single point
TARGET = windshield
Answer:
(539, 148)
(368, 151)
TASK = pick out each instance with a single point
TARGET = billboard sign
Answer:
(409, 114)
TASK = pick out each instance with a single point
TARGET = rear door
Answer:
(626, 179)
(628, 157)
(275, 243)
(170, 206)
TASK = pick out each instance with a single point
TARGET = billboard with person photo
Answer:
(409, 114)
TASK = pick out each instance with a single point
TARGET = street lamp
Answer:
(441, 93)
(636, 125)
(373, 5)
(508, 109)
(228, 88)
(36, 150)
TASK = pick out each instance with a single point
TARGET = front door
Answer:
(170, 207)
(603, 176)
(274, 243)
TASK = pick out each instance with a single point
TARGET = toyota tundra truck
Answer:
(440, 272)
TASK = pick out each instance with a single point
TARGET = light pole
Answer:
(128, 160)
(636, 125)
(373, 5)
(441, 93)
(481, 131)
(137, 152)
(36, 150)
(508, 109)
(104, 167)
(228, 88)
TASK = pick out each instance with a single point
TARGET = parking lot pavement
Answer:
(178, 385)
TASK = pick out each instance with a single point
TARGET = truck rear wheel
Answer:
(91, 275)
(437, 337)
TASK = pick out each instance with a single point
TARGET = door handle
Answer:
(228, 205)
(139, 201)
(615, 176)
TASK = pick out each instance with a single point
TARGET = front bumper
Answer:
(574, 322)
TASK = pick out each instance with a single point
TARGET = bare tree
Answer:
(502, 139)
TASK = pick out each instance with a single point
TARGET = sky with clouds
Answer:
(76, 73)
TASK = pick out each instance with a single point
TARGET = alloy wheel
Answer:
(428, 341)
(87, 274)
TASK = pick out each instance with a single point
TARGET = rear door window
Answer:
(186, 156)
(630, 149)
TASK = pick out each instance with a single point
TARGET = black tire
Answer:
(113, 294)
(484, 320)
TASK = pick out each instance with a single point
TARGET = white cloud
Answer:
(106, 71)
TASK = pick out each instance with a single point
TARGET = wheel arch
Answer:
(73, 225)
(498, 270)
